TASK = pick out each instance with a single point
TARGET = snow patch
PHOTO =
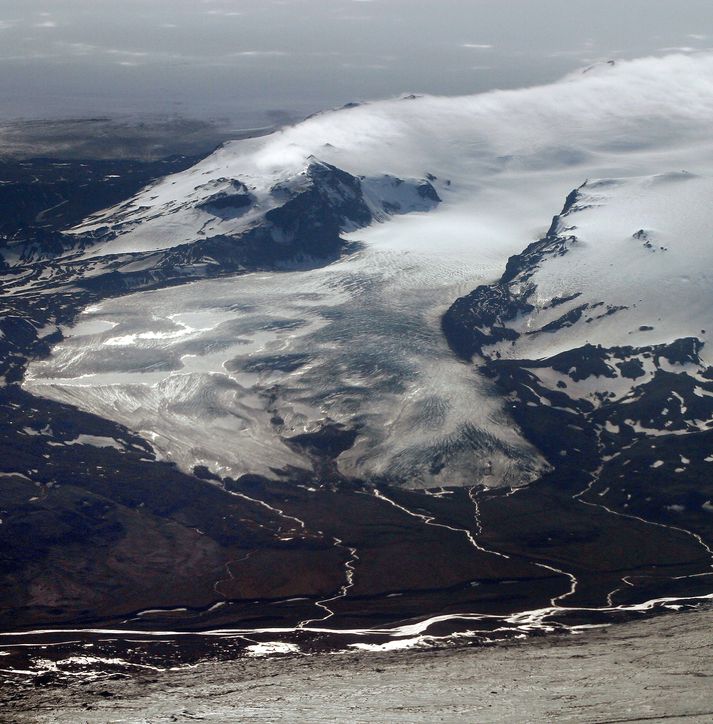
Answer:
(271, 648)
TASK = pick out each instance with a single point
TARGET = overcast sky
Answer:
(242, 58)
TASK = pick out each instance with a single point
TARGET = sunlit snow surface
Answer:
(641, 258)
(220, 372)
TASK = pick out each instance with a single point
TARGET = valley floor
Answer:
(652, 670)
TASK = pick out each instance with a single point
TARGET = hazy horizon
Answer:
(244, 60)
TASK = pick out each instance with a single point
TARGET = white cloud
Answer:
(128, 53)
(636, 104)
(680, 49)
(477, 46)
(121, 56)
(79, 48)
(364, 66)
(257, 53)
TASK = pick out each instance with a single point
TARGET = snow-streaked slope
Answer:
(607, 319)
(180, 364)
(635, 259)
(220, 206)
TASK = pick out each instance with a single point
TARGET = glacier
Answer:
(223, 372)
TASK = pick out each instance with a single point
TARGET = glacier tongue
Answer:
(223, 373)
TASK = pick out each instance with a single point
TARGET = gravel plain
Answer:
(658, 669)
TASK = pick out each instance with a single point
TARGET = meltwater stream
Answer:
(94, 653)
